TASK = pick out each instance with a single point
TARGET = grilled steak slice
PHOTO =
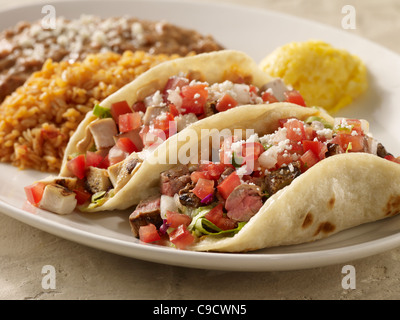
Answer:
(146, 212)
(244, 202)
(333, 149)
(381, 151)
(278, 179)
(175, 179)
(188, 198)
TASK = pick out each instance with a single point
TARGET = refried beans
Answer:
(25, 47)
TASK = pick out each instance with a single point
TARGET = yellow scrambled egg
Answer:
(325, 76)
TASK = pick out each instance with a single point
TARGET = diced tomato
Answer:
(283, 158)
(228, 185)
(356, 125)
(173, 110)
(196, 175)
(126, 145)
(119, 108)
(226, 102)
(269, 97)
(129, 121)
(181, 237)
(295, 147)
(152, 136)
(295, 130)
(392, 158)
(194, 98)
(105, 163)
(139, 106)
(319, 148)
(252, 150)
(307, 160)
(173, 83)
(166, 123)
(77, 166)
(93, 159)
(295, 97)
(310, 133)
(349, 142)
(346, 126)
(175, 219)
(283, 121)
(253, 89)
(81, 196)
(203, 188)
(286, 156)
(323, 149)
(217, 217)
(213, 169)
(149, 233)
(34, 192)
(226, 150)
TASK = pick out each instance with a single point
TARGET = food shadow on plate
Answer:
(108, 223)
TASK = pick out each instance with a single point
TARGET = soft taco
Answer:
(301, 175)
(104, 158)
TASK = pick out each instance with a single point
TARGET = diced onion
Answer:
(269, 158)
(167, 203)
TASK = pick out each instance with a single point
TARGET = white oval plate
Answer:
(257, 33)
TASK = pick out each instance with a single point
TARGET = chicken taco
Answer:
(104, 158)
(299, 176)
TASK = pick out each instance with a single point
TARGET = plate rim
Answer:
(259, 262)
(255, 262)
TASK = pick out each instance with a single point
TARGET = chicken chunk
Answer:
(103, 132)
(58, 199)
(153, 112)
(97, 180)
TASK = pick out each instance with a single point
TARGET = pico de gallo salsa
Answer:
(218, 198)
(123, 132)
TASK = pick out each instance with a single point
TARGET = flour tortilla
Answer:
(337, 193)
(262, 118)
(212, 67)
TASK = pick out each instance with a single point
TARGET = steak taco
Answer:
(299, 176)
(104, 158)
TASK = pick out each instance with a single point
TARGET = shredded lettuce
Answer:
(99, 198)
(201, 226)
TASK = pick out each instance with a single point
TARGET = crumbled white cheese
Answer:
(241, 171)
(76, 34)
(157, 99)
(325, 133)
(274, 138)
(341, 123)
(236, 147)
(174, 97)
(253, 138)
